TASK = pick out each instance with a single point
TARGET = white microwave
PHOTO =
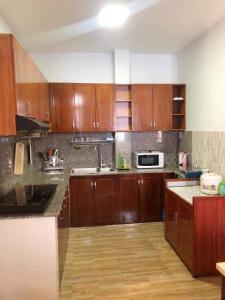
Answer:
(149, 159)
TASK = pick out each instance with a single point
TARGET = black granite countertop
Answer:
(35, 177)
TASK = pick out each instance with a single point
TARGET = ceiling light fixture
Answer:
(113, 15)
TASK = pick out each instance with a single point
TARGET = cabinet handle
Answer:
(95, 185)
(150, 124)
(94, 125)
(97, 124)
(92, 185)
(73, 124)
(142, 181)
(154, 125)
(176, 217)
(28, 108)
(139, 182)
(47, 114)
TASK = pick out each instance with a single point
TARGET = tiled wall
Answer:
(207, 148)
(87, 156)
(6, 158)
(127, 143)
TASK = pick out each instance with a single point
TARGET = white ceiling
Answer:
(155, 26)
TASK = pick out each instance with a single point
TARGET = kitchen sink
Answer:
(77, 171)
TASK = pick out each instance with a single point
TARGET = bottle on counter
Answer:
(122, 162)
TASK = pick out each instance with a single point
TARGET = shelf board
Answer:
(123, 129)
(123, 116)
(123, 100)
(177, 129)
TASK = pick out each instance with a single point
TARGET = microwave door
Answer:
(148, 161)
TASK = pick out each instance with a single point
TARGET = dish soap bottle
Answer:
(120, 161)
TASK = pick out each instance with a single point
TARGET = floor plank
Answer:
(129, 262)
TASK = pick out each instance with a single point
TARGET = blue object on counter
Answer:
(193, 174)
(222, 188)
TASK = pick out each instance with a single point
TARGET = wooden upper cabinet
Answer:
(7, 91)
(45, 108)
(82, 107)
(62, 107)
(162, 106)
(32, 94)
(105, 107)
(85, 107)
(151, 107)
(141, 107)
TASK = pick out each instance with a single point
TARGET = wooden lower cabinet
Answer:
(115, 199)
(129, 198)
(63, 233)
(151, 198)
(185, 233)
(196, 232)
(179, 228)
(81, 205)
(104, 201)
(92, 201)
(223, 289)
(171, 218)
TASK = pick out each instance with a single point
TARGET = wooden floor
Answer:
(129, 262)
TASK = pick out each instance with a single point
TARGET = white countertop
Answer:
(187, 192)
(221, 267)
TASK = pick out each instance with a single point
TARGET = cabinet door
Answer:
(81, 202)
(104, 201)
(171, 218)
(141, 107)
(150, 199)
(163, 189)
(62, 104)
(7, 87)
(129, 199)
(45, 108)
(85, 107)
(185, 233)
(162, 106)
(63, 218)
(28, 81)
(105, 107)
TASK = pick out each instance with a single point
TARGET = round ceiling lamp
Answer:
(113, 15)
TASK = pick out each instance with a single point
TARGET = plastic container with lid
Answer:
(210, 183)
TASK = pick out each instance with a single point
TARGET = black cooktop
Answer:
(28, 199)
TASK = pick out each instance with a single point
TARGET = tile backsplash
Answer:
(207, 149)
(87, 156)
(84, 156)
(127, 143)
(7, 146)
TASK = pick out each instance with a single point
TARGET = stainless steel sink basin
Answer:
(77, 171)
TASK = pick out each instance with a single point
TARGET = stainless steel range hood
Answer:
(30, 124)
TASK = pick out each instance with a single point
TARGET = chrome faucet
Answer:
(100, 164)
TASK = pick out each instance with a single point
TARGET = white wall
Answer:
(4, 28)
(75, 67)
(149, 68)
(202, 67)
(99, 67)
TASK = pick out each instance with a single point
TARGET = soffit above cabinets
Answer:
(156, 26)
